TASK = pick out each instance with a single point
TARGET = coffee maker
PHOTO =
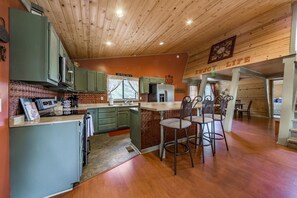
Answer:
(74, 100)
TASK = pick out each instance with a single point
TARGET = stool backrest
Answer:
(250, 104)
(207, 107)
(185, 109)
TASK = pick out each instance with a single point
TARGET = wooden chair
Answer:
(248, 110)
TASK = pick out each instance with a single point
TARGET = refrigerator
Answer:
(161, 93)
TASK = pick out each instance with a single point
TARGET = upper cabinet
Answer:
(145, 81)
(89, 80)
(101, 82)
(34, 49)
(81, 80)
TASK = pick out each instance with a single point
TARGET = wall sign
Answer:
(222, 50)
(227, 65)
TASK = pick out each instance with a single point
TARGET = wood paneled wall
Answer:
(263, 38)
(250, 89)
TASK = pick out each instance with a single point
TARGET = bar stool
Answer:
(202, 120)
(219, 117)
(178, 124)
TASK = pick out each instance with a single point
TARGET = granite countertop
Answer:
(70, 118)
(160, 106)
(48, 120)
(101, 105)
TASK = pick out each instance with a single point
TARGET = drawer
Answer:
(123, 109)
(107, 115)
(104, 110)
(107, 121)
(107, 127)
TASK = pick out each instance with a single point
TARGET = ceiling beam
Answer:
(219, 77)
(253, 73)
(277, 75)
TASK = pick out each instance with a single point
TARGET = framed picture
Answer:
(222, 50)
(30, 109)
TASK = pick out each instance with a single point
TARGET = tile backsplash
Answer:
(19, 90)
(88, 98)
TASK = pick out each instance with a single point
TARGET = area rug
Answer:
(107, 152)
(119, 132)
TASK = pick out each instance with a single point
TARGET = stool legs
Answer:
(188, 146)
(224, 135)
(175, 151)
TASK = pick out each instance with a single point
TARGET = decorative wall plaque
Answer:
(222, 50)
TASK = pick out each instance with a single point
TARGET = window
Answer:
(123, 88)
(208, 91)
(193, 89)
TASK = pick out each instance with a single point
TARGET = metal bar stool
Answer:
(202, 120)
(178, 124)
(219, 116)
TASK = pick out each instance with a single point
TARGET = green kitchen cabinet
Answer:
(54, 48)
(92, 81)
(81, 80)
(93, 113)
(135, 127)
(45, 159)
(34, 49)
(107, 119)
(123, 117)
(160, 80)
(145, 81)
(144, 85)
(101, 82)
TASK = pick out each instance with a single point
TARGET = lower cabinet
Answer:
(110, 118)
(45, 159)
(123, 117)
(107, 119)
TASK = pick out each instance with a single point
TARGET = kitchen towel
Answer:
(90, 126)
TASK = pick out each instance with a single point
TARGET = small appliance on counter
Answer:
(161, 93)
(46, 107)
(74, 100)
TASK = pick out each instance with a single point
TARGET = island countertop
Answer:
(160, 106)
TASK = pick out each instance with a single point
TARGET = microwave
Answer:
(66, 72)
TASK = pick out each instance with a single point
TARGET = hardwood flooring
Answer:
(254, 167)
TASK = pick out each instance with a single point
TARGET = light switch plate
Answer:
(101, 98)
(0, 104)
(140, 98)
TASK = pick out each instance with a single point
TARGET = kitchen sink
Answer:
(123, 104)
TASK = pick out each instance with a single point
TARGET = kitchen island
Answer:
(146, 132)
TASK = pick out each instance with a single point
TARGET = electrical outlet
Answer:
(140, 98)
(101, 98)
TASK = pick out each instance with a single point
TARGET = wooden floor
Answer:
(254, 167)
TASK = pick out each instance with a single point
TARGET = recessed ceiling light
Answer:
(189, 21)
(120, 13)
(161, 43)
(109, 43)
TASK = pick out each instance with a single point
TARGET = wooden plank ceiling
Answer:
(85, 26)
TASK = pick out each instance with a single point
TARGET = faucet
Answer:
(128, 101)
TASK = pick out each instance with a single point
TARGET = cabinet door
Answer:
(92, 81)
(123, 119)
(153, 80)
(160, 80)
(81, 82)
(54, 49)
(28, 47)
(144, 85)
(101, 82)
